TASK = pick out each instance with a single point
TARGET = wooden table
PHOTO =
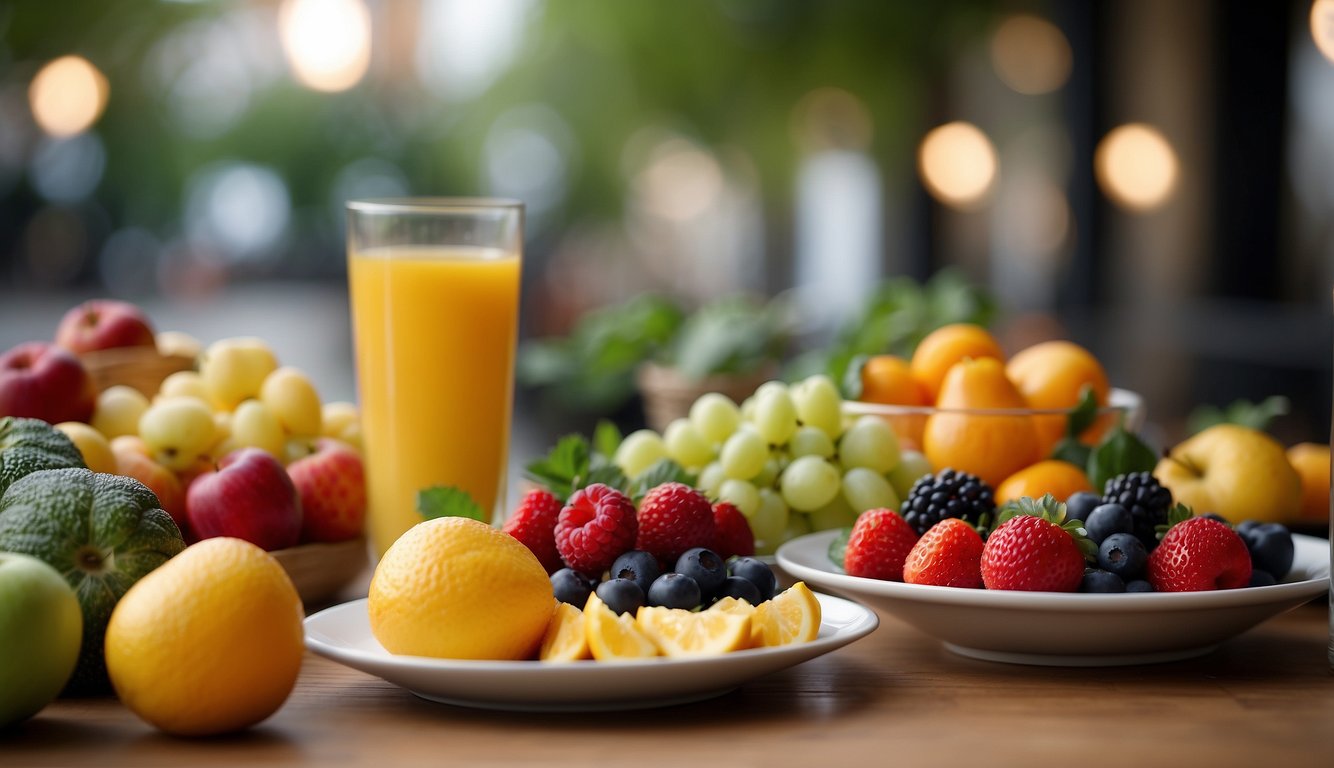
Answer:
(894, 698)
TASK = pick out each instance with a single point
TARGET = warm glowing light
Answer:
(67, 96)
(680, 182)
(1322, 26)
(328, 42)
(1136, 166)
(957, 163)
(1030, 55)
(831, 118)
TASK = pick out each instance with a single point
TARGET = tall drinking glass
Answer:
(434, 284)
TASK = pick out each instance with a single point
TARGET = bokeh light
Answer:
(242, 209)
(527, 156)
(1031, 55)
(1322, 26)
(1136, 166)
(831, 118)
(67, 170)
(681, 181)
(464, 45)
(957, 163)
(327, 42)
(67, 96)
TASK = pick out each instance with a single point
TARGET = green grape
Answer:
(686, 445)
(768, 387)
(775, 416)
(835, 514)
(711, 479)
(809, 483)
(912, 465)
(743, 455)
(797, 525)
(772, 467)
(810, 441)
(747, 409)
(769, 520)
(742, 495)
(819, 404)
(867, 489)
(715, 417)
(639, 451)
(870, 443)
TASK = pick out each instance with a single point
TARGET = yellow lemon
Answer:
(566, 639)
(681, 633)
(456, 588)
(790, 617)
(615, 636)
(210, 642)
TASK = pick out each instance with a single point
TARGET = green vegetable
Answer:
(102, 532)
(27, 445)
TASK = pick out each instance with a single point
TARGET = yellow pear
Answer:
(1234, 471)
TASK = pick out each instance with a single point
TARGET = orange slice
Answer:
(566, 639)
(612, 636)
(790, 617)
(686, 633)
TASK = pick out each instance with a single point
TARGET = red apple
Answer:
(332, 486)
(134, 459)
(43, 381)
(104, 324)
(250, 497)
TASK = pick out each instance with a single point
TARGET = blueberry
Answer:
(1102, 581)
(1080, 505)
(637, 566)
(674, 590)
(571, 587)
(1270, 545)
(621, 595)
(1106, 519)
(741, 589)
(1261, 578)
(1123, 555)
(705, 567)
(757, 572)
(1139, 585)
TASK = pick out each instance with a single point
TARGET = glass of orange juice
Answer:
(434, 286)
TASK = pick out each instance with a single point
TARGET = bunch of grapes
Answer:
(787, 457)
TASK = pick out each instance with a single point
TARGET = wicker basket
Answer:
(668, 394)
(321, 571)
(143, 368)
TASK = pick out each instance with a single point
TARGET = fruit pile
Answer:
(1131, 538)
(240, 447)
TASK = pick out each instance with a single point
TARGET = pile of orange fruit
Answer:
(982, 421)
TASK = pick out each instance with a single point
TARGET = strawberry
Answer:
(596, 525)
(949, 554)
(1030, 551)
(674, 517)
(879, 544)
(732, 534)
(1199, 554)
(534, 524)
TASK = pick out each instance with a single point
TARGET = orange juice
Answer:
(434, 331)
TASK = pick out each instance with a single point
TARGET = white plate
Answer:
(343, 633)
(1069, 629)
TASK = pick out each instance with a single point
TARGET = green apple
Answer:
(41, 629)
(1237, 472)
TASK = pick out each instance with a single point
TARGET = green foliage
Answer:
(838, 547)
(449, 501)
(1119, 453)
(572, 464)
(1241, 412)
(733, 335)
(1053, 511)
(1081, 418)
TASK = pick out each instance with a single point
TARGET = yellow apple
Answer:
(94, 447)
(234, 369)
(1237, 472)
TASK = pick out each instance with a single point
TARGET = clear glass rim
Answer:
(386, 205)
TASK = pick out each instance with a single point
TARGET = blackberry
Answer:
(1147, 501)
(948, 494)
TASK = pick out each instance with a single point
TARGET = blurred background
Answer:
(1154, 180)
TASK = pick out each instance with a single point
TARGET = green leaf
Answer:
(1119, 452)
(606, 438)
(1083, 414)
(564, 468)
(1179, 513)
(449, 501)
(1073, 451)
(662, 471)
(838, 547)
(1047, 508)
(1241, 412)
(608, 474)
(852, 378)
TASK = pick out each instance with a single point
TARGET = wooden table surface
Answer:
(896, 697)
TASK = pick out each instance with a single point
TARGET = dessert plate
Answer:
(1069, 629)
(343, 633)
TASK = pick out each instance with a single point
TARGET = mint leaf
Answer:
(662, 471)
(606, 438)
(608, 474)
(838, 547)
(1119, 452)
(1083, 414)
(1179, 513)
(449, 501)
(563, 469)
(1242, 412)
(852, 378)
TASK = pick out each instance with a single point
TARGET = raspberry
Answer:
(879, 544)
(673, 518)
(732, 535)
(534, 525)
(594, 528)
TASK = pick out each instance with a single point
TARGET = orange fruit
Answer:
(456, 588)
(944, 347)
(681, 633)
(1053, 374)
(566, 639)
(1059, 478)
(792, 616)
(962, 435)
(209, 642)
(1311, 460)
(614, 636)
(888, 379)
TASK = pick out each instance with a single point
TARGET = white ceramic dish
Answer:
(343, 633)
(1068, 629)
